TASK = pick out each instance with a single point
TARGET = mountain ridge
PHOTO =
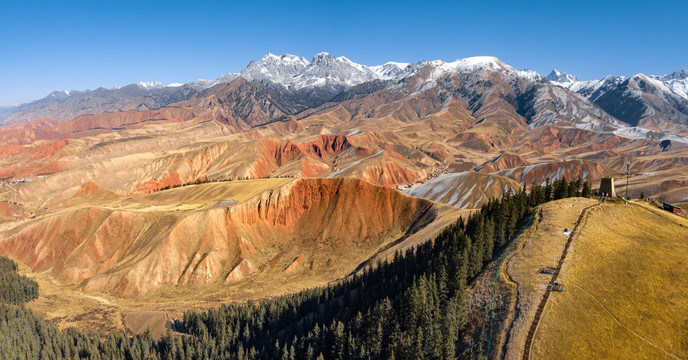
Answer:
(651, 102)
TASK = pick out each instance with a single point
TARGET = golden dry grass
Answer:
(195, 197)
(65, 306)
(538, 248)
(625, 289)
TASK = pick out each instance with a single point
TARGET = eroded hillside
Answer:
(214, 234)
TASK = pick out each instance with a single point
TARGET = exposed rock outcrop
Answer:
(129, 253)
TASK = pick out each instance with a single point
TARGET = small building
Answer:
(672, 208)
(555, 287)
(607, 187)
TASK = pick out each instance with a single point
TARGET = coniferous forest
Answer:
(411, 307)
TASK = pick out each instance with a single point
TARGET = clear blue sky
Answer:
(54, 45)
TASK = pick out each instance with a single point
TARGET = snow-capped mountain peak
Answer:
(393, 70)
(278, 69)
(676, 81)
(480, 62)
(59, 95)
(561, 78)
(326, 70)
(150, 84)
(676, 75)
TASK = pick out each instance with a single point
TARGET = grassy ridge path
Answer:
(545, 297)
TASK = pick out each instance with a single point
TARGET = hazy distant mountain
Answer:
(70, 104)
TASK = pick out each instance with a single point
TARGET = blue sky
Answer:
(55, 45)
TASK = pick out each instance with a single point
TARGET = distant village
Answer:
(440, 169)
(8, 183)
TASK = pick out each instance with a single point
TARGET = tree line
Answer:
(409, 307)
(14, 288)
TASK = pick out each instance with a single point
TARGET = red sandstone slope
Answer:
(502, 162)
(130, 253)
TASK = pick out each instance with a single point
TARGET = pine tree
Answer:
(575, 188)
(537, 194)
(548, 190)
(587, 191)
(561, 189)
(489, 240)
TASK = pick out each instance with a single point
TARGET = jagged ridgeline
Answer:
(411, 307)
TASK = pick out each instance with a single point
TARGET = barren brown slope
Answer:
(467, 190)
(503, 162)
(142, 248)
(570, 169)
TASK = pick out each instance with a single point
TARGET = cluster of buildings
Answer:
(8, 183)
(440, 170)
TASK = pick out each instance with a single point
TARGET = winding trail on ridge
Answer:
(545, 297)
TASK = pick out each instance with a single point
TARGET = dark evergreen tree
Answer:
(575, 188)
(537, 195)
(548, 190)
(561, 189)
(587, 190)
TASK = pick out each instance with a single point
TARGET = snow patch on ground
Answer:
(636, 132)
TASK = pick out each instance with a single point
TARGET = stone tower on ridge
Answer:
(607, 187)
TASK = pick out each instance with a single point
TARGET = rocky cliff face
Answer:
(130, 253)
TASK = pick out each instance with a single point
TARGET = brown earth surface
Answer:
(134, 262)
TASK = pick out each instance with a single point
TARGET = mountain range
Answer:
(294, 173)
(652, 103)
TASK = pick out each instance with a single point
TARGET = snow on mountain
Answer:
(151, 84)
(393, 70)
(467, 190)
(676, 75)
(640, 133)
(58, 95)
(554, 104)
(278, 69)
(639, 100)
(676, 81)
(482, 65)
(655, 100)
(324, 70)
(561, 78)
(470, 64)
(327, 70)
